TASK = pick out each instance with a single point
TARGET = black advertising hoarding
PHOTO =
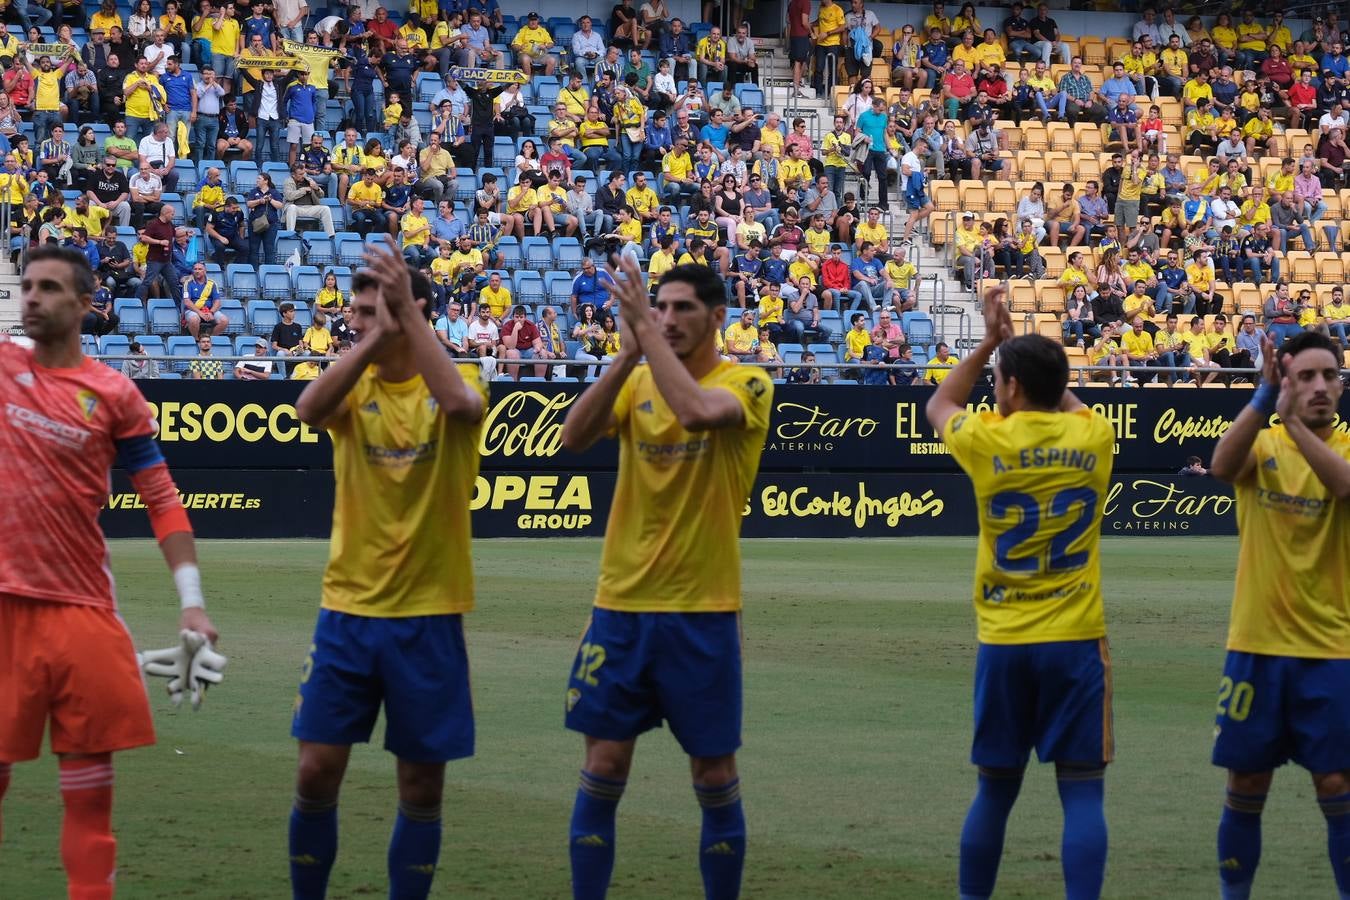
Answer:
(252, 425)
(298, 503)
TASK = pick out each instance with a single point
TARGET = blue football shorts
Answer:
(1273, 709)
(635, 670)
(415, 667)
(1054, 697)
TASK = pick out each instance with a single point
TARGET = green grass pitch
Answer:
(859, 657)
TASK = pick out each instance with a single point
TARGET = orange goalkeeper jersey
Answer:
(59, 430)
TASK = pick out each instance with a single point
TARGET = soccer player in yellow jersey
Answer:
(664, 637)
(1041, 468)
(1285, 690)
(405, 422)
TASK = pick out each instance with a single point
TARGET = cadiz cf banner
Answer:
(839, 428)
(299, 503)
(498, 76)
(269, 62)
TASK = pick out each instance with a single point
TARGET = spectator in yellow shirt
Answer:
(742, 337)
(415, 233)
(532, 44)
(940, 366)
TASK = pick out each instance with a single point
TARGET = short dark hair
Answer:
(80, 272)
(1310, 340)
(707, 284)
(1040, 367)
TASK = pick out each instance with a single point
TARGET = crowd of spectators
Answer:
(650, 137)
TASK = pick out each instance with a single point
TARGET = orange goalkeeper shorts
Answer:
(76, 666)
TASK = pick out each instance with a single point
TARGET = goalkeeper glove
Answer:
(205, 668)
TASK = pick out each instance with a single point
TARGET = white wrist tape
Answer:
(188, 579)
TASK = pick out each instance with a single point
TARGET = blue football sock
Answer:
(592, 835)
(414, 849)
(1337, 811)
(313, 846)
(1083, 848)
(982, 835)
(721, 847)
(1239, 844)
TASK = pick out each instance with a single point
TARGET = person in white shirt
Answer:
(265, 107)
(157, 150)
(1169, 26)
(1148, 27)
(587, 47)
(459, 101)
(158, 53)
(1223, 210)
(1336, 118)
(290, 16)
(255, 369)
(206, 120)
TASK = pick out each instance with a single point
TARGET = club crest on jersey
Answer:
(25, 379)
(372, 407)
(645, 406)
(88, 402)
(1270, 465)
(573, 698)
(432, 405)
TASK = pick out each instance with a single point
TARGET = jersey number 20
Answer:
(1065, 527)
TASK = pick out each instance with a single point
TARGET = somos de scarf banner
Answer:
(839, 428)
(298, 503)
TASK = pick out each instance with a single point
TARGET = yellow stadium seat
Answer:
(1022, 297)
(973, 195)
(1047, 326)
(1335, 205)
(1299, 264)
(1058, 165)
(1087, 166)
(1002, 197)
(1087, 137)
(1034, 136)
(1247, 298)
(1060, 136)
(881, 72)
(1330, 268)
(1050, 296)
(1054, 261)
(1170, 107)
(1116, 47)
(1011, 133)
(1093, 51)
(840, 97)
(1031, 165)
(920, 97)
(945, 197)
(940, 230)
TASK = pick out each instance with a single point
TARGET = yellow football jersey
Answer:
(405, 475)
(1041, 480)
(1292, 596)
(673, 541)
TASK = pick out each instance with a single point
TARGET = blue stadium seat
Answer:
(114, 345)
(567, 252)
(428, 86)
(275, 282)
(186, 170)
(503, 152)
(288, 242)
(131, 312)
(164, 317)
(338, 211)
(558, 285)
(88, 344)
(241, 281)
(918, 328)
(180, 345)
(750, 96)
(234, 311)
(152, 344)
(303, 315)
(350, 247)
(466, 182)
(221, 345)
(262, 317)
(244, 344)
(528, 287)
(243, 175)
(344, 279)
(322, 251)
(509, 248)
(308, 280)
(538, 253)
(546, 89)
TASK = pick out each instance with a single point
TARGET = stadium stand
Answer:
(895, 159)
